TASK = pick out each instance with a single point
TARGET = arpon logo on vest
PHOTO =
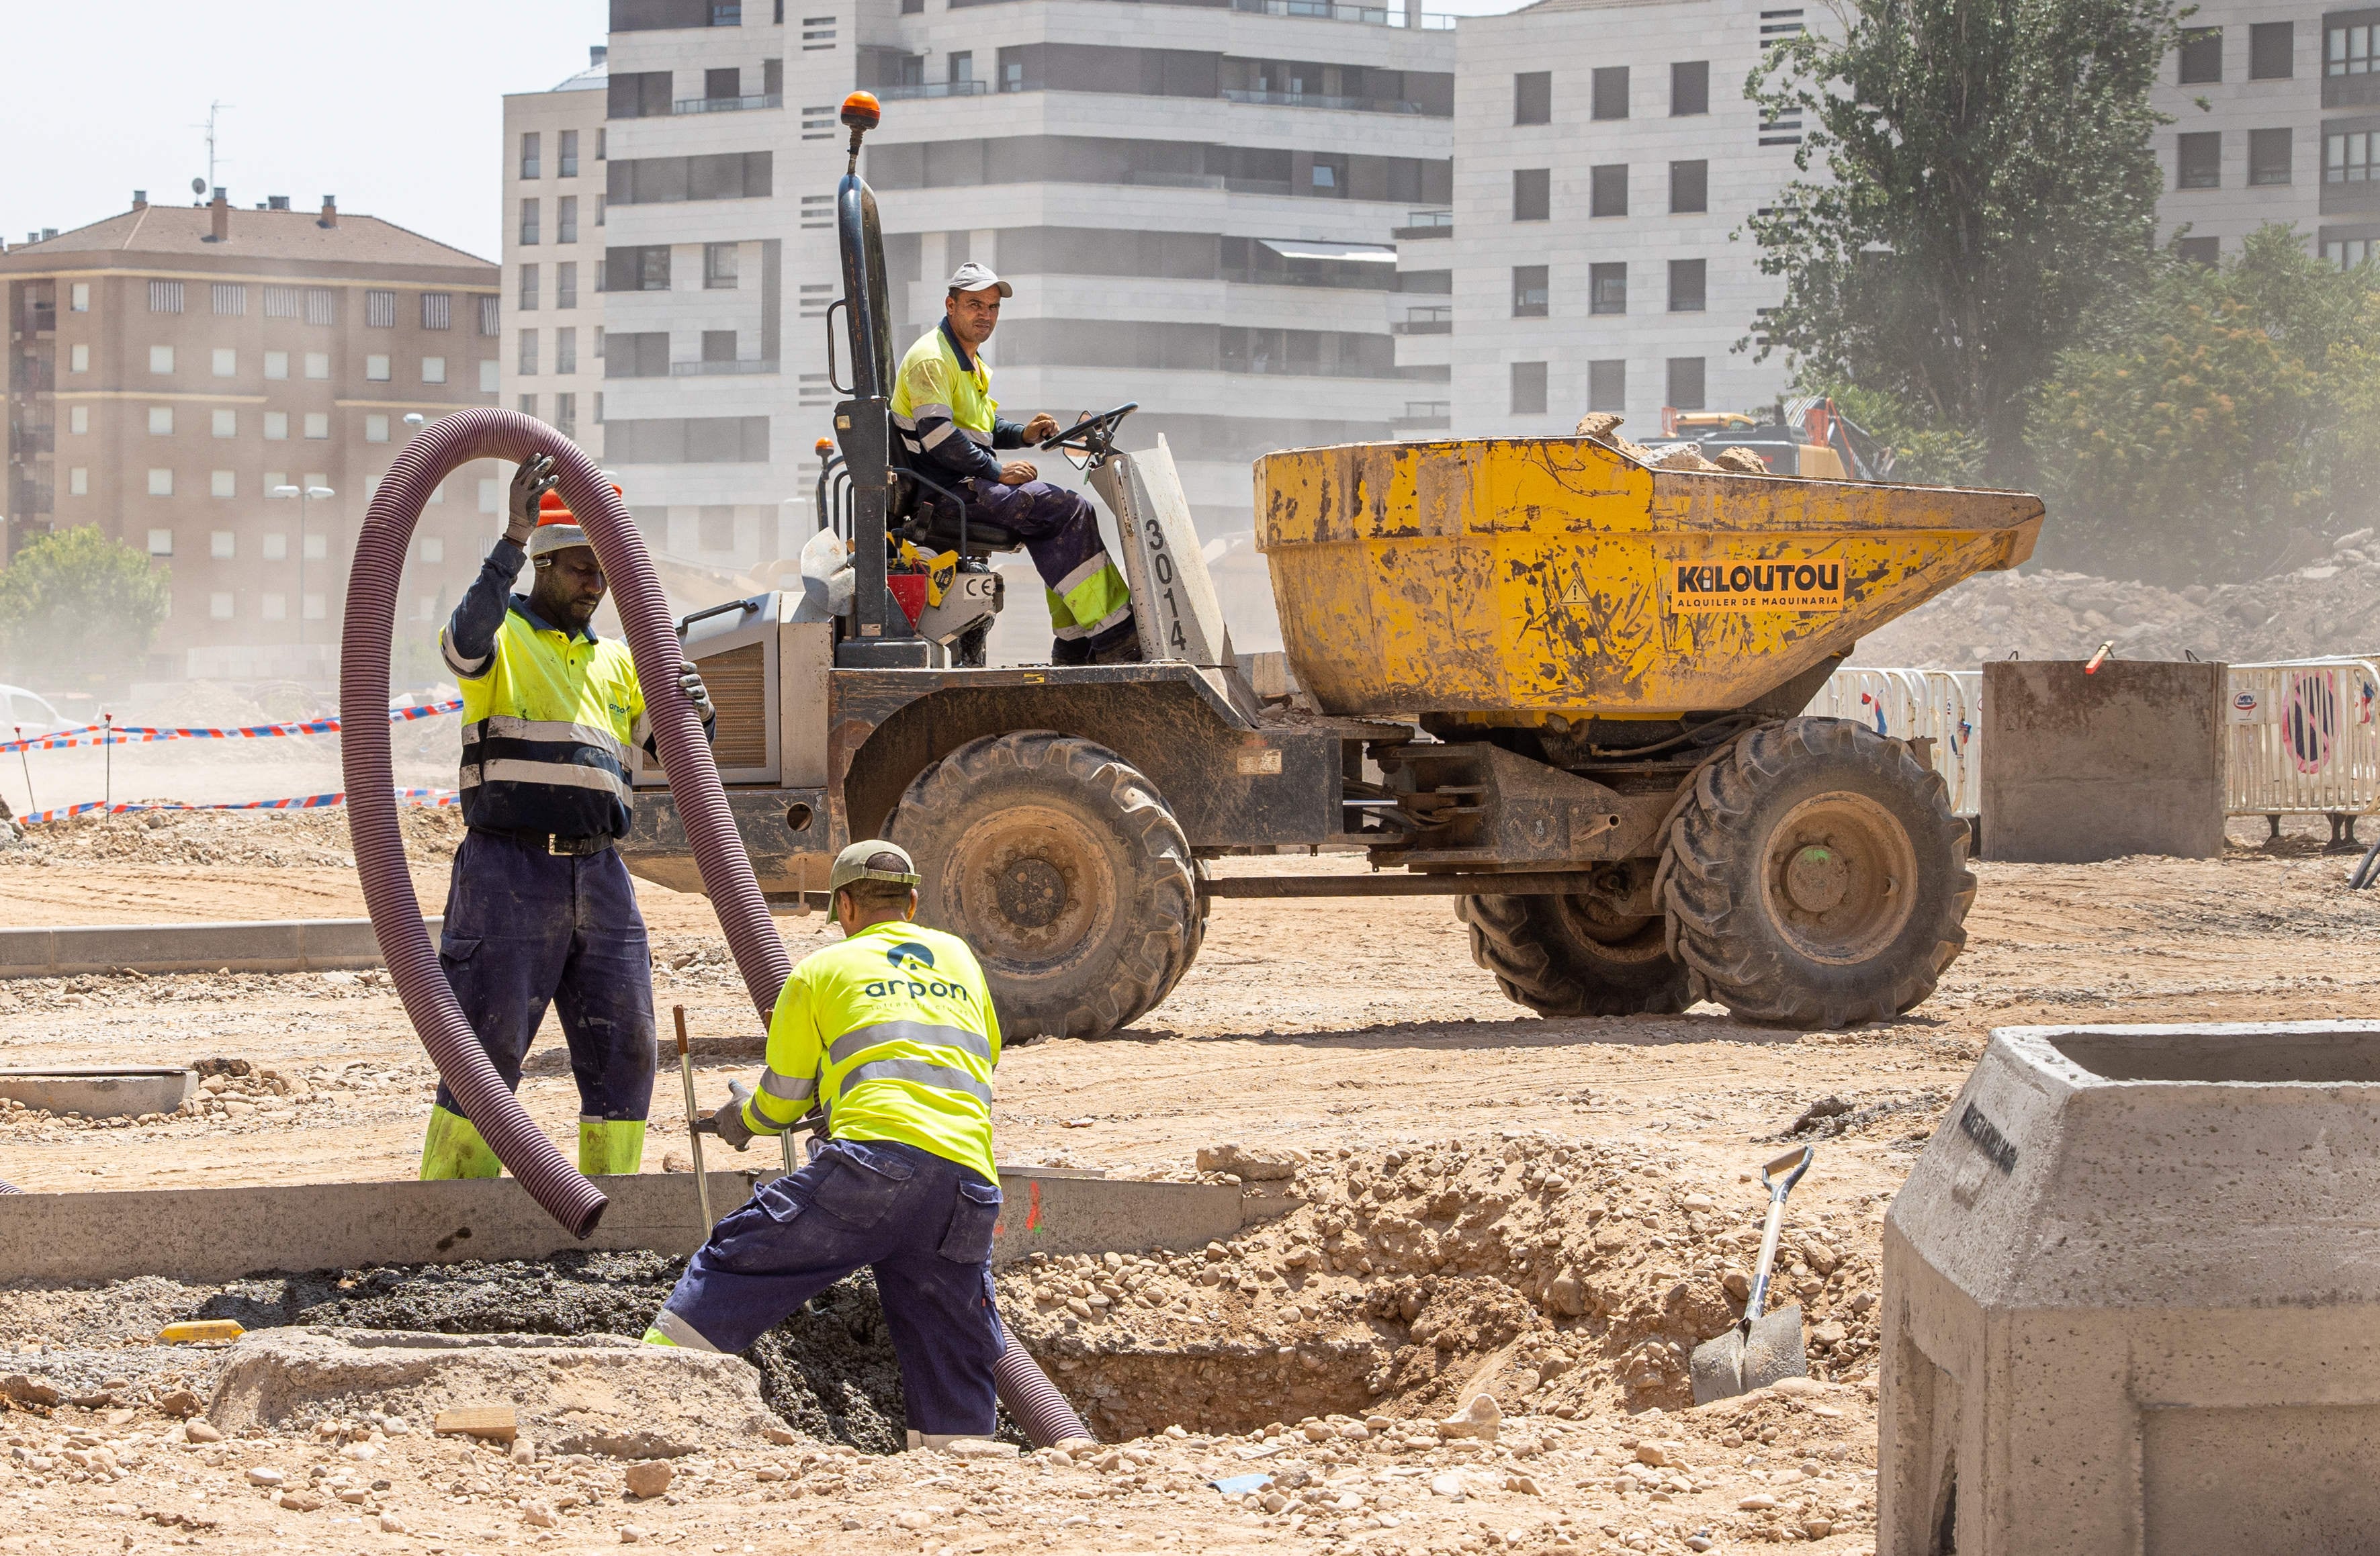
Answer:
(1703, 588)
(910, 957)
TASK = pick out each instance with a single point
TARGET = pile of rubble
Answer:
(285, 839)
(2330, 606)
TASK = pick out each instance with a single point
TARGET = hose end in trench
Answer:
(1034, 1401)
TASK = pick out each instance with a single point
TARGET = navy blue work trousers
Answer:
(526, 929)
(924, 1223)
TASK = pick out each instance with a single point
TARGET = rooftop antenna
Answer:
(213, 110)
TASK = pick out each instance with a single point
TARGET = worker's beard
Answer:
(548, 598)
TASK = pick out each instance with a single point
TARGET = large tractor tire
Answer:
(1571, 956)
(1061, 865)
(1815, 876)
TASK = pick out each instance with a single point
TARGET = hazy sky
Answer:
(395, 109)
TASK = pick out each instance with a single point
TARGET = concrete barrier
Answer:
(2078, 767)
(265, 945)
(222, 1234)
(2130, 1292)
(101, 1091)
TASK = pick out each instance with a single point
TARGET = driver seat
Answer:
(926, 510)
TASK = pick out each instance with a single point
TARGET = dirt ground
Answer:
(1546, 1210)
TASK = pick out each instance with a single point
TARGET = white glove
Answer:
(729, 1120)
(696, 692)
(530, 483)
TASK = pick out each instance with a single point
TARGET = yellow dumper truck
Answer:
(1548, 680)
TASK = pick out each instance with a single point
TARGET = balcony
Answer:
(727, 104)
(1423, 225)
(1425, 416)
(1319, 99)
(911, 90)
(1329, 10)
(1436, 319)
(718, 370)
(27, 439)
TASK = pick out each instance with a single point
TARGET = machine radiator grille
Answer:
(738, 681)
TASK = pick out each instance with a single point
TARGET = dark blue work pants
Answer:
(526, 929)
(923, 1223)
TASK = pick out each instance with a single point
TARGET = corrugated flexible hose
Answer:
(427, 458)
(10, 1188)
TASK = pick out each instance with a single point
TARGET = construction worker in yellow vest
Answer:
(949, 425)
(540, 909)
(891, 1030)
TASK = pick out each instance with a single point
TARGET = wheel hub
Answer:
(1819, 878)
(1033, 885)
(1839, 877)
(1031, 891)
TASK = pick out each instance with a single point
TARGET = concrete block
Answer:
(101, 1092)
(2078, 767)
(2131, 1294)
(260, 946)
(222, 1234)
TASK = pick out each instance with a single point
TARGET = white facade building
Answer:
(552, 306)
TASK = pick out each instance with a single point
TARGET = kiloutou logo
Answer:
(1767, 585)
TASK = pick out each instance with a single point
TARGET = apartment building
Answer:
(174, 368)
(554, 146)
(1605, 159)
(1194, 202)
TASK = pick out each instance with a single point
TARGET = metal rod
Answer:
(25, 755)
(785, 1141)
(693, 1120)
(1530, 883)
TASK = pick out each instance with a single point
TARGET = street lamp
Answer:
(304, 495)
(414, 419)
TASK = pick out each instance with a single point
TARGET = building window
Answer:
(565, 285)
(2268, 156)
(281, 302)
(223, 482)
(1689, 187)
(2199, 61)
(322, 305)
(161, 421)
(1686, 383)
(601, 149)
(277, 545)
(1330, 175)
(433, 370)
(1606, 386)
(78, 297)
(1528, 389)
(1607, 288)
(527, 303)
(2346, 159)
(2347, 50)
(318, 545)
(1611, 92)
(78, 481)
(276, 363)
(566, 219)
(528, 221)
(161, 542)
(164, 296)
(599, 210)
(1532, 194)
(2198, 161)
(1607, 190)
(225, 362)
(316, 606)
(1533, 97)
(2272, 48)
(161, 483)
(1687, 280)
(376, 369)
(438, 310)
(161, 360)
(380, 310)
(432, 549)
(488, 372)
(376, 427)
(718, 345)
(1689, 88)
(567, 155)
(230, 298)
(318, 364)
(642, 269)
(318, 423)
(223, 545)
(565, 351)
(219, 605)
(276, 428)
(598, 408)
(565, 414)
(527, 365)
(529, 142)
(1529, 288)
(489, 324)
(719, 266)
(2207, 251)
(529, 405)
(226, 423)
(78, 358)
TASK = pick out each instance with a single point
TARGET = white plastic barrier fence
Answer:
(2302, 739)
(1941, 706)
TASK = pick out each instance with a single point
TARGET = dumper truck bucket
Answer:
(1518, 577)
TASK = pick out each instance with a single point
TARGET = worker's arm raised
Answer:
(469, 644)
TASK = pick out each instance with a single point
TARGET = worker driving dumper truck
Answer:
(1556, 680)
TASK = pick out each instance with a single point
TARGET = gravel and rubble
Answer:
(2330, 606)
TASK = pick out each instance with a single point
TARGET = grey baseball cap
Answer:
(974, 277)
(858, 862)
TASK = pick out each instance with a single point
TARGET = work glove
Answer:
(535, 477)
(729, 1120)
(696, 692)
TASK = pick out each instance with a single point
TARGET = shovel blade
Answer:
(1750, 1356)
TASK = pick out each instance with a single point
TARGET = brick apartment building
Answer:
(170, 367)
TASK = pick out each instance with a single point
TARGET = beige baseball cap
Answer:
(857, 863)
(975, 277)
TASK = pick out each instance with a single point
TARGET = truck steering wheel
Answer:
(1095, 435)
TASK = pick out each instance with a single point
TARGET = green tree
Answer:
(2212, 415)
(76, 606)
(1987, 177)
(1922, 454)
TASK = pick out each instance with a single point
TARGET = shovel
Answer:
(1761, 1347)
